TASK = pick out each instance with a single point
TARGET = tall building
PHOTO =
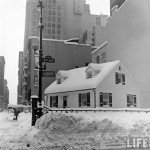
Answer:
(2, 68)
(96, 35)
(62, 19)
(20, 78)
(6, 94)
(128, 39)
(67, 55)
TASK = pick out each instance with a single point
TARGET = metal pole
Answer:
(40, 58)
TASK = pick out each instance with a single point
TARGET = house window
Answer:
(84, 99)
(105, 99)
(131, 100)
(103, 57)
(120, 78)
(53, 101)
(97, 59)
(89, 74)
(64, 101)
(58, 80)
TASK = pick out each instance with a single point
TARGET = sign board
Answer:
(48, 59)
(48, 73)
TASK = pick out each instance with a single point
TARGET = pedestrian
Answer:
(16, 112)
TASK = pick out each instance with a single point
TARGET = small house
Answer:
(97, 85)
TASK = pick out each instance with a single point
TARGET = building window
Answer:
(103, 57)
(84, 99)
(58, 31)
(53, 101)
(105, 99)
(89, 74)
(119, 68)
(53, 25)
(58, 26)
(131, 100)
(64, 101)
(120, 78)
(97, 59)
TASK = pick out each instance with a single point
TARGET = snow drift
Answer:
(63, 123)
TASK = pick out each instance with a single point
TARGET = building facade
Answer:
(128, 39)
(106, 85)
(4, 92)
(67, 55)
(62, 19)
(20, 78)
(96, 35)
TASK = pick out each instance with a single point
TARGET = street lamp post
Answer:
(40, 26)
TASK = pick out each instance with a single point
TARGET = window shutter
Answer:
(116, 77)
(56, 101)
(135, 104)
(79, 100)
(101, 99)
(123, 79)
(110, 99)
(88, 99)
(128, 101)
(50, 101)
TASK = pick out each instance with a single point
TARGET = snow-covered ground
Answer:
(72, 131)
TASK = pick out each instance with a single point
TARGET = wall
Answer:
(119, 91)
(128, 36)
(73, 99)
(99, 52)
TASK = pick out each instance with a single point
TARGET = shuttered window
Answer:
(84, 99)
(120, 78)
(105, 99)
(131, 100)
(53, 101)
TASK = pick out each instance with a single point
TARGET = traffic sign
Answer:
(48, 59)
(48, 73)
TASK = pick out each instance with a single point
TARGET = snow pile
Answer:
(68, 131)
(70, 124)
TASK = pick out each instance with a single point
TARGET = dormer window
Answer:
(89, 74)
(61, 76)
(92, 70)
(59, 81)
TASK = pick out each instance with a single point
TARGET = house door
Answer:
(64, 101)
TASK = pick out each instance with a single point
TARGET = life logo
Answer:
(137, 143)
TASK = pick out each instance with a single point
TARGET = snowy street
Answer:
(13, 130)
(72, 131)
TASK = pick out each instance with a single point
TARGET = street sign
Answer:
(48, 59)
(48, 73)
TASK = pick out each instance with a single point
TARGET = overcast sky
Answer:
(12, 21)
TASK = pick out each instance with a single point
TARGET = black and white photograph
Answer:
(74, 74)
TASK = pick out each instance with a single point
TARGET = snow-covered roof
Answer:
(77, 79)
